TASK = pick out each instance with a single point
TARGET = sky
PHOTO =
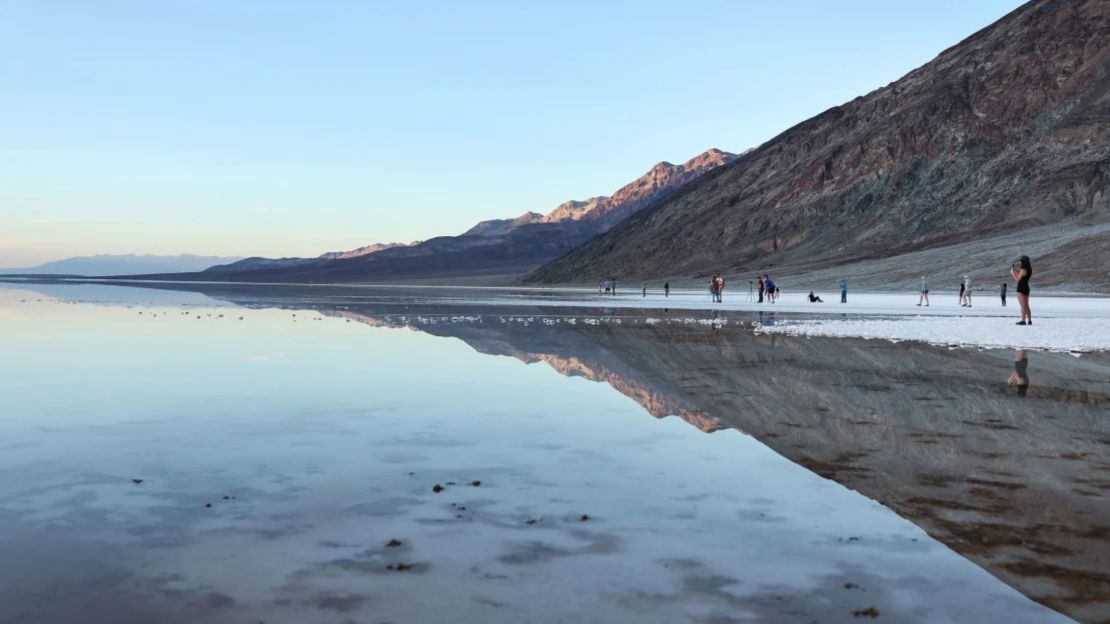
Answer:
(293, 128)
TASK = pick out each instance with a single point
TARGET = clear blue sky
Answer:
(293, 128)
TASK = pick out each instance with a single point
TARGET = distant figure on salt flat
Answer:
(924, 292)
(608, 286)
(720, 288)
(815, 299)
(965, 292)
(600, 286)
(844, 291)
(713, 288)
(644, 285)
(1003, 294)
(772, 290)
(666, 289)
(759, 284)
(614, 282)
(1022, 270)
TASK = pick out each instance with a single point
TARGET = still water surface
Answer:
(594, 468)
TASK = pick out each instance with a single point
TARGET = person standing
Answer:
(967, 295)
(963, 286)
(614, 281)
(759, 283)
(924, 292)
(769, 284)
(844, 291)
(600, 285)
(1022, 270)
(645, 288)
(720, 288)
(1003, 294)
(666, 290)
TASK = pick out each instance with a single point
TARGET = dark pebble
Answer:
(584, 518)
(393, 543)
(437, 488)
(136, 481)
(476, 483)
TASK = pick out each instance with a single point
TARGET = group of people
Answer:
(1022, 271)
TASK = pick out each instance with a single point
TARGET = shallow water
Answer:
(839, 476)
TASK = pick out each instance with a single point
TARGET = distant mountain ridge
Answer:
(1006, 130)
(118, 264)
(493, 247)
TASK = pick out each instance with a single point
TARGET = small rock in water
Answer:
(450, 483)
(393, 543)
(227, 497)
(850, 585)
(208, 504)
(584, 518)
(136, 481)
(437, 488)
(476, 483)
(530, 521)
(400, 567)
(870, 612)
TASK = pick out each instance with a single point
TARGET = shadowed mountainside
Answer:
(1007, 130)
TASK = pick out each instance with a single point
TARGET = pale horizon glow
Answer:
(292, 129)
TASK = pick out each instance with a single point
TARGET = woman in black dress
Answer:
(1022, 270)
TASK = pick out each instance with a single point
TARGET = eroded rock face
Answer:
(1008, 129)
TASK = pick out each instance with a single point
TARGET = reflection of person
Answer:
(1020, 377)
(1022, 270)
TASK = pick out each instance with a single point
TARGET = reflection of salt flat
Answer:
(1056, 334)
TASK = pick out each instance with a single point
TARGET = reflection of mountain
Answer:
(1017, 485)
(560, 355)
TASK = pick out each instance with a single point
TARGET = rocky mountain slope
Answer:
(1007, 130)
(496, 247)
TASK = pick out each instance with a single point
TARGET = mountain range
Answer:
(117, 264)
(1007, 130)
(495, 247)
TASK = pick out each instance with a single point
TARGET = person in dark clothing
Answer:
(1022, 270)
(814, 298)
(844, 291)
(666, 289)
(963, 287)
(1003, 294)
(760, 285)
